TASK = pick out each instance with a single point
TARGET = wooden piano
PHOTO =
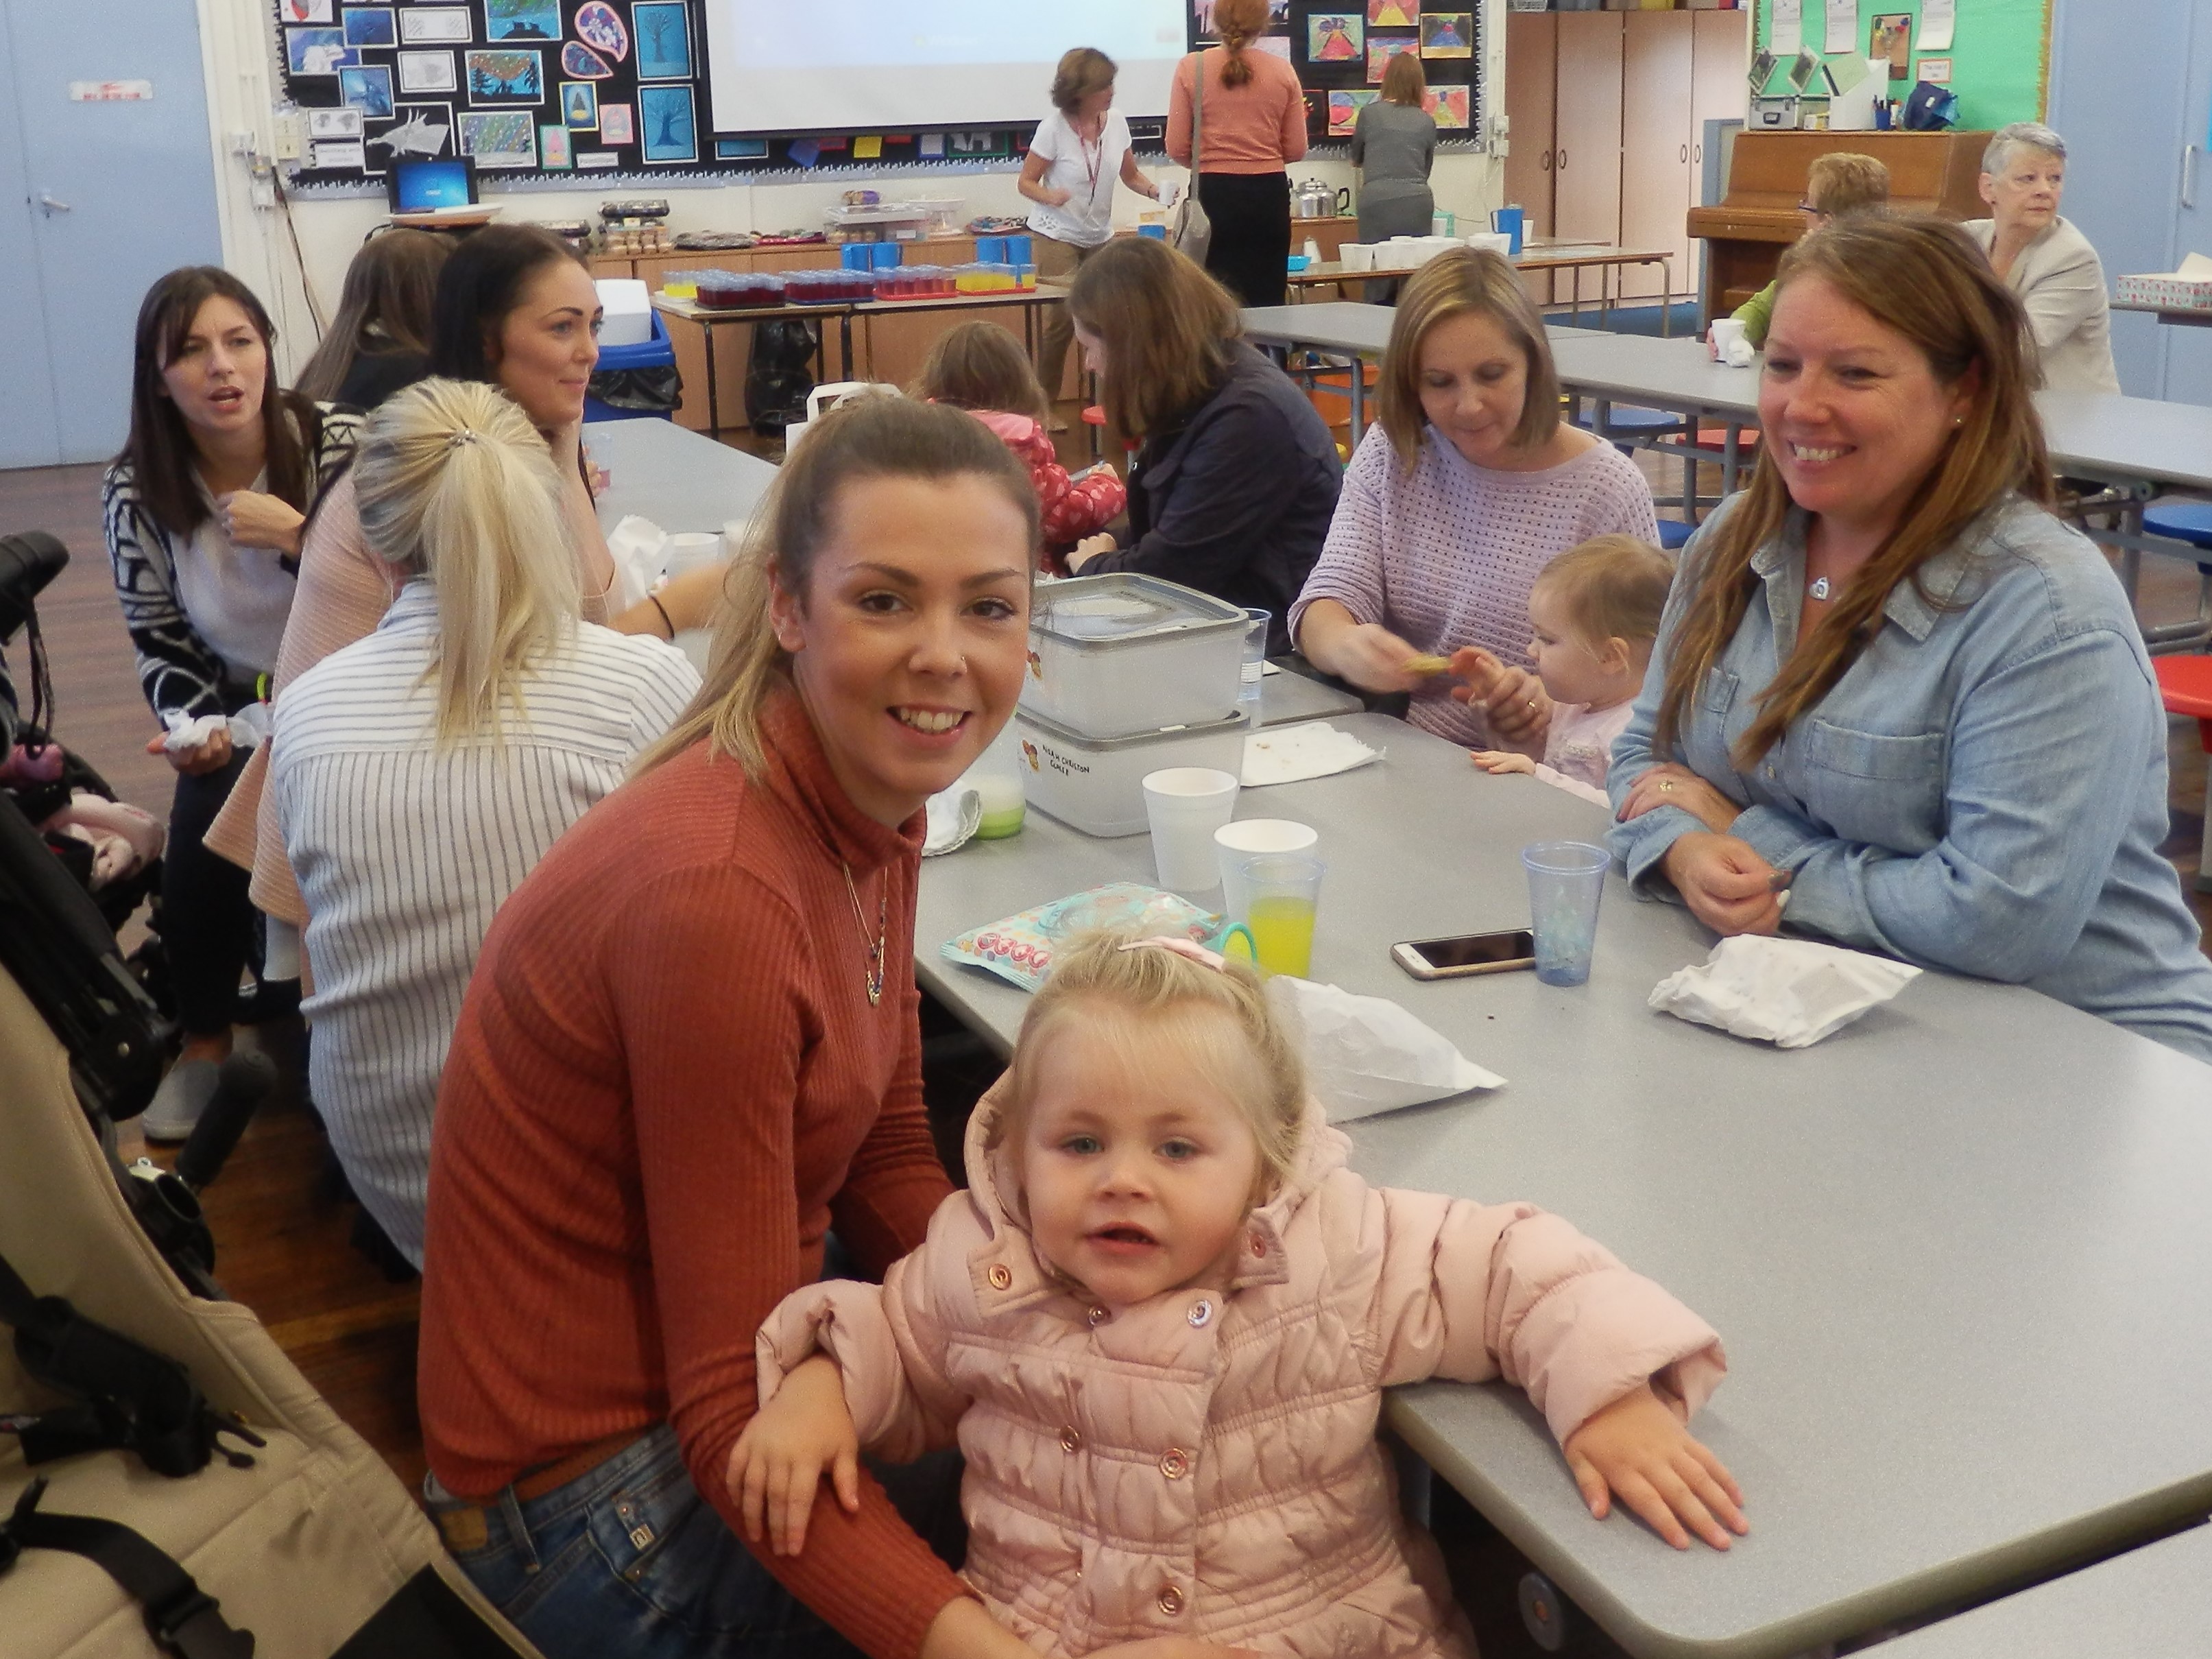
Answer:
(1929, 173)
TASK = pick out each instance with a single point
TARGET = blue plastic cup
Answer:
(1158, 233)
(1566, 879)
(1509, 221)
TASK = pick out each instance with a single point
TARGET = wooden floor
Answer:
(283, 1248)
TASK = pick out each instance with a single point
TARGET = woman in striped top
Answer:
(422, 772)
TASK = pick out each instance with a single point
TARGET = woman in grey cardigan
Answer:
(1394, 145)
(2043, 260)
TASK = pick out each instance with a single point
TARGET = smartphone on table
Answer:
(1468, 954)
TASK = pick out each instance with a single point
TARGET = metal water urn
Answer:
(1314, 200)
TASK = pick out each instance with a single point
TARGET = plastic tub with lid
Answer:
(1096, 785)
(1112, 655)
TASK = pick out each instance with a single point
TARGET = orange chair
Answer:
(2185, 685)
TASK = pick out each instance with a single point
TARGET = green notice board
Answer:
(1999, 52)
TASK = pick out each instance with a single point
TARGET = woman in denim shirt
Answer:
(1890, 691)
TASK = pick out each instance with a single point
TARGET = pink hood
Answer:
(1205, 1464)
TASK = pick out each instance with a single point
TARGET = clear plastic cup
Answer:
(1566, 879)
(1234, 842)
(1185, 805)
(1282, 895)
(1256, 623)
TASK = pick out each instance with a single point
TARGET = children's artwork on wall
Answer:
(344, 123)
(1447, 106)
(304, 11)
(580, 62)
(741, 150)
(1277, 45)
(553, 150)
(425, 26)
(616, 126)
(600, 26)
(1381, 49)
(1335, 37)
(664, 39)
(1392, 13)
(367, 90)
(664, 119)
(368, 26)
(317, 51)
(522, 20)
(1891, 37)
(506, 77)
(1344, 109)
(500, 138)
(1447, 34)
(428, 71)
(579, 105)
(420, 131)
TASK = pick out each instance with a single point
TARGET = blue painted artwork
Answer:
(580, 105)
(522, 20)
(369, 26)
(665, 125)
(663, 34)
(502, 76)
(317, 51)
(369, 90)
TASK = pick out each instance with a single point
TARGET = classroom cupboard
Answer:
(1608, 113)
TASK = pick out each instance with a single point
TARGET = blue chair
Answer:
(1673, 534)
(2185, 521)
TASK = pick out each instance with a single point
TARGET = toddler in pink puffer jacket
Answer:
(1159, 1324)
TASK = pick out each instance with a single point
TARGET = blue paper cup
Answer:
(1566, 879)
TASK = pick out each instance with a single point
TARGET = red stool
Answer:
(2185, 683)
(1094, 416)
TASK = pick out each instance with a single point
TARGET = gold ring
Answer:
(1532, 705)
(1665, 788)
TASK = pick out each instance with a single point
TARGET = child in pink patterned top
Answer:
(980, 368)
(1593, 614)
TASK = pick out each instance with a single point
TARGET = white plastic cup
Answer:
(1356, 256)
(692, 549)
(1233, 843)
(1724, 332)
(1186, 805)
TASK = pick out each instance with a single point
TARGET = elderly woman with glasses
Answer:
(2045, 259)
(1834, 186)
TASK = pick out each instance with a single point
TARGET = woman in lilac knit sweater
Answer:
(1464, 491)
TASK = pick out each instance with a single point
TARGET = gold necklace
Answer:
(874, 977)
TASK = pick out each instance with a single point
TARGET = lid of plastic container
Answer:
(1067, 737)
(1089, 612)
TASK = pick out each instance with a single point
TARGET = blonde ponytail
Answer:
(454, 485)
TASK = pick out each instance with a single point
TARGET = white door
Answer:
(1656, 175)
(102, 196)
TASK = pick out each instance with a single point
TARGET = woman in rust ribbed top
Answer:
(690, 1048)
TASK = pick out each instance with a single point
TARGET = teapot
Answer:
(1315, 200)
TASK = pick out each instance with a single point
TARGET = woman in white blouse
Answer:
(1079, 152)
(2045, 259)
(422, 772)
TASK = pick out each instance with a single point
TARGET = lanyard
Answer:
(1094, 157)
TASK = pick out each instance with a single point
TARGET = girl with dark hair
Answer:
(204, 511)
(1250, 115)
(1891, 688)
(515, 308)
(1233, 489)
(379, 341)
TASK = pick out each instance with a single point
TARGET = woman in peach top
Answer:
(1252, 125)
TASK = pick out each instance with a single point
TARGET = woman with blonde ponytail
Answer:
(420, 772)
(1891, 692)
(1236, 117)
(693, 1046)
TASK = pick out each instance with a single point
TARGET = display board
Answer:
(547, 89)
(1994, 54)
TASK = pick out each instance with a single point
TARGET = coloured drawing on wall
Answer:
(1392, 13)
(664, 41)
(600, 26)
(369, 90)
(580, 63)
(1344, 109)
(1891, 37)
(1447, 34)
(1335, 37)
(304, 11)
(553, 150)
(522, 20)
(1447, 106)
(579, 105)
(368, 26)
(317, 51)
(500, 138)
(616, 126)
(664, 119)
(1381, 50)
(505, 77)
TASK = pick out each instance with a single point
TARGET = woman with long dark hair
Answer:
(203, 512)
(379, 341)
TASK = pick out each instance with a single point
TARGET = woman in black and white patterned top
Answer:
(204, 509)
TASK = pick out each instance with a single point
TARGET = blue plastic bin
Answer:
(659, 352)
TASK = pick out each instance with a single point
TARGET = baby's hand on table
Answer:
(1637, 1449)
(778, 1461)
(1499, 760)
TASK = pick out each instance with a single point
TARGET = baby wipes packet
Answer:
(1020, 948)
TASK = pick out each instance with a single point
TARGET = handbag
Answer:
(1192, 234)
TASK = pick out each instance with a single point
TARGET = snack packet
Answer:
(1020, 948)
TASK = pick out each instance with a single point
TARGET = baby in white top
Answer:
(1593, 616)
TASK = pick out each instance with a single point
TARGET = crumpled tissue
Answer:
(1740, 354)
(1289, 754)
(1366, 1055)
(640, 548)
(955, 814)
(248, 728)
(1789, 992)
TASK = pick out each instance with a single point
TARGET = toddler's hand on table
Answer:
(1672, 785)
(778, 1463)
(1501, 761)
(1636, 1450)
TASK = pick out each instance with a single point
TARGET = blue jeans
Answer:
(628, 1558)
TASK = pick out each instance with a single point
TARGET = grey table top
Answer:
(678, 478)
(1956, 1250)
(1286, 698)
(2123, 439)
(2156, 1601)
(1332, 325)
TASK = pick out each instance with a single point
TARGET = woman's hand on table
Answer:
(1513, 700)
(210, 757)
(1725, 883)
(1088, 548)
(1636, 1450)
(250, 518)
(1671, 785)
(1500, 760)
(777, 1464)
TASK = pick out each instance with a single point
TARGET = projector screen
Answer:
(889, 65)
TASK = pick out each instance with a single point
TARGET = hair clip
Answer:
(463, 436)
(1182, 947)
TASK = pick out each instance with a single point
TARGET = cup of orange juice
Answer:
(1282, 893)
